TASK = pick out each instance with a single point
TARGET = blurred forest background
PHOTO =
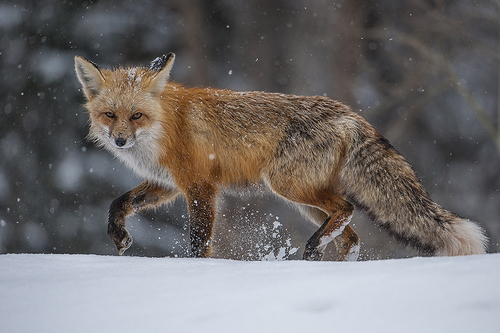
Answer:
(424, 72)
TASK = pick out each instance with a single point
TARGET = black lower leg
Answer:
(313, 249)
(116, 223)
(200, 241)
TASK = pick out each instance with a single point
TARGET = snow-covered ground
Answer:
(88, 293)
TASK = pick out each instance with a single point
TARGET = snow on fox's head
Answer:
(123, 102)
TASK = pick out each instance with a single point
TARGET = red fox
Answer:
(312, 151)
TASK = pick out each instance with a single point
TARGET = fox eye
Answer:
(109, 114)
(136, 115)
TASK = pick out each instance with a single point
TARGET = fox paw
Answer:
(121, 238)
(124, 244)
(312, 253)
(350, 254)
(348, 249)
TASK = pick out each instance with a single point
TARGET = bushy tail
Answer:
(377, 178)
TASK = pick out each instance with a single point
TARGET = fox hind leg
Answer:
(334, 226)
(338, 213)
(346, 244)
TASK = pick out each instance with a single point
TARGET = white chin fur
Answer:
(142, 155)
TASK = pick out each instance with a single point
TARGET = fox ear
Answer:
(162, 65)
(90, 76)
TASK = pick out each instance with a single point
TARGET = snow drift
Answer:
(88, 293)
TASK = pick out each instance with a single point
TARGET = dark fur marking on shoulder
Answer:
(300, 134)
(299, 129)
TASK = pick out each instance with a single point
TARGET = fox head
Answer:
(123, 103)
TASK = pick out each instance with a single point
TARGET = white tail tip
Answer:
(463, 238)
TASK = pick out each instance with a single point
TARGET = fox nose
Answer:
(120, 142)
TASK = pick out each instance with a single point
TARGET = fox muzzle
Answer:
(120, 142)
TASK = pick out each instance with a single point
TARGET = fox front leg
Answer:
(146, 195)
(201, 199)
